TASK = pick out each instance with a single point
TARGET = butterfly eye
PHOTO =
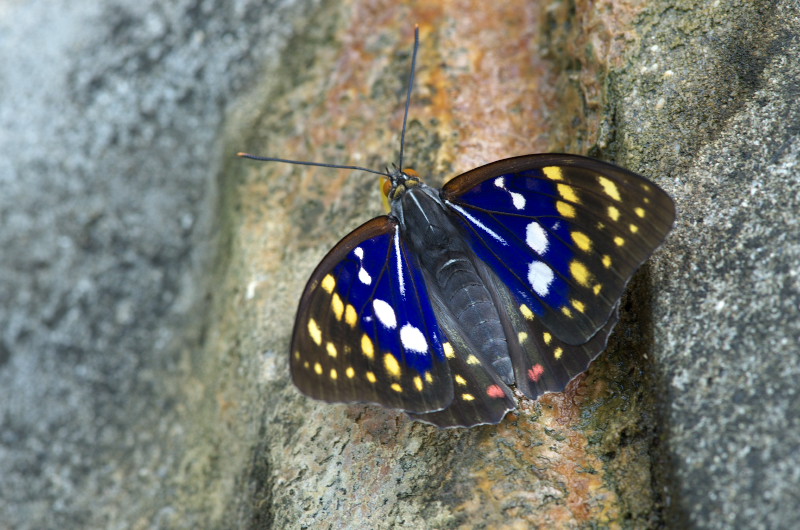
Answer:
(386, 187)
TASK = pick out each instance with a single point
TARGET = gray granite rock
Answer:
(721, 123)
(112, 116)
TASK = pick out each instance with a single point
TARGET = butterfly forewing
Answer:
(365, 330)
(564, 233)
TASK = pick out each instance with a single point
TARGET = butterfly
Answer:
(509, 276)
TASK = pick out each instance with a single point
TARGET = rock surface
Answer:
(148, 279)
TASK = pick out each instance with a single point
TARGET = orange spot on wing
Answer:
(494, 391)
(536, 372)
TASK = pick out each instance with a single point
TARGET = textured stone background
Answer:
(148, 280)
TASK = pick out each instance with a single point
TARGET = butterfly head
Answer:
(398, 182)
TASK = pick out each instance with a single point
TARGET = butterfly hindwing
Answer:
(365, 329)
(564, 233)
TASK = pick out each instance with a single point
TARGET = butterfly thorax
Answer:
(455, 278)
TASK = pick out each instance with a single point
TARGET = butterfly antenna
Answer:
(303, 163)
(408, 95)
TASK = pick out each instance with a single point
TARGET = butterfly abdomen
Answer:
(460, 294)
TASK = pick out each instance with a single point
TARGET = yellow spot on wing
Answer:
(334, 374)
(371, 377)
(460, 380)
(582, 240)
(597, 288)
(633, 228)
(331, 348)
(558, 352)
(547, 337)
(337, 306)
(314, 331)
(448, 350)
(522, 336)
(565, 209)
(350, 315)
(619, 241)
(350, 372)
(553, 173)
(566, 311)
(580, 306)
(606, 261)
(467, 397)
(396, 387)
(428, 377)
(318, 368)
(639, 211)
(328, 283)
(609, 187)
(613, 213)
(391, 365)
(568, 193)
(367, 347)
(297, 355)
(473, 360)
(579, 272)
(418, 383)
(526, 312)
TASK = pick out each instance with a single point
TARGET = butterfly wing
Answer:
(561, 236)
(365, 330)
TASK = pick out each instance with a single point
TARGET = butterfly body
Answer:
(511, 274)
(452, 274)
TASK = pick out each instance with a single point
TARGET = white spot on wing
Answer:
(385, 313)
(413, 339)
(363, 275)
(518, 200)
(477, 223)
(536, 238)
(540, 276)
